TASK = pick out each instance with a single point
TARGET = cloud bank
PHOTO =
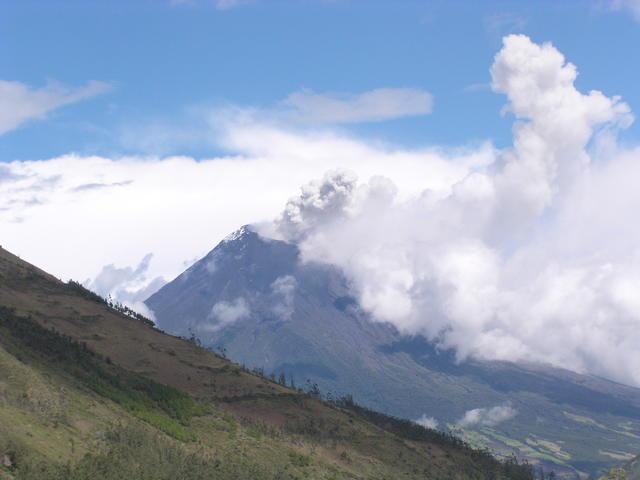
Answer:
(179, 208)
(19, 103)
(533, 257)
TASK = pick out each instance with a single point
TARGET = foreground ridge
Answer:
(89, 392)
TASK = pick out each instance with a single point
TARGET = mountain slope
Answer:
(629, 471)
(87, 392)
(253, 298)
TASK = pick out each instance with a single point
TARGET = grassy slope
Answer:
(89, 412)
(629, 471)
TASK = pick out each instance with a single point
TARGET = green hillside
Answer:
(629, 471)
(87, 392)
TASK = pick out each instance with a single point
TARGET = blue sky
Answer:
(443, 154)
(166, 62)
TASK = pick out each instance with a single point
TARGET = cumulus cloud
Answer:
(372, 106)
(6, 174)
(542, 240)
(487, 417)
(127, 285)
(19, 103)
(282, 290)
(427, 422)
(224, 313)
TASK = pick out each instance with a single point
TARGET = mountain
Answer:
(253, 299)
(89, 391)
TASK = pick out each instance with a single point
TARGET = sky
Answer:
(471, 166)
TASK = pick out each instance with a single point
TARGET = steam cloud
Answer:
(283, 289)
(225, 313)
(533, 257)
(487, 417)
(427, 422)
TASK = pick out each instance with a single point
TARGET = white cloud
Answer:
(127, 285)
(427, 422)
(372, 106)
(282, 290)
(6, 174)
(542, 241)
(632, 6)
(487, 417)
(230, 125)
(166, 205)
(225, 313)
(20, 103)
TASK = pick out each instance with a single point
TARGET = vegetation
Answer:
(84, 292)
(127, 449)
(134, 452)
(483, 459)
(165, 407)
(80, 398)
(629, 471)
